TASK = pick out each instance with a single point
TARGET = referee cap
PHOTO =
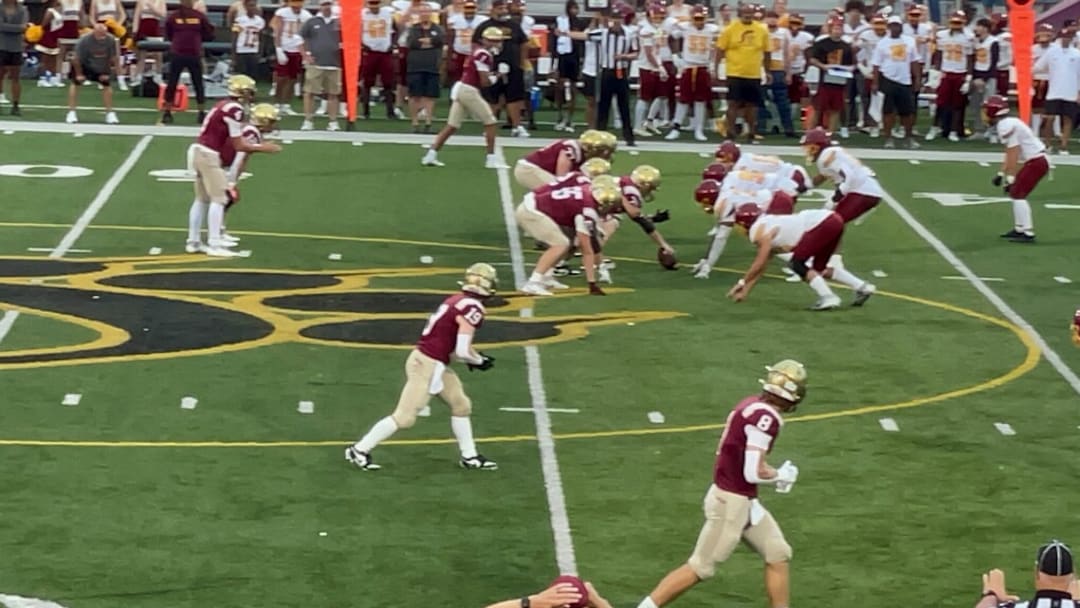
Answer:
(1054, 559)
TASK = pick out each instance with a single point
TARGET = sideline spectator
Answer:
(378, 59)
(460, 26)
(836, 62)
(568, 52)
(185, 29)
(779, 69)
(286, 23)
(1063, 63)
(13, 23)
(96, 59)
(1055, 582)
(954, 56)
(984, 74)
(247, 30)
(322, 64)
(801, 41)
(896, 72)
(147, 23)
(745, 46)
(425, 40)
(508, 93)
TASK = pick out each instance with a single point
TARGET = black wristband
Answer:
(645, 223)
(988, 594)
(525, 602)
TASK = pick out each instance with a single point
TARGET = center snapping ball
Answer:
(666, 259)
(579, 586)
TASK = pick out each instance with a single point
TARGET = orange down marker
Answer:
(351, 28)
(1022, 24)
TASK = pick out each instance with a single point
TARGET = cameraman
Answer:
(1055, 582)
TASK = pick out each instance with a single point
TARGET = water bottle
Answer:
(534, 98)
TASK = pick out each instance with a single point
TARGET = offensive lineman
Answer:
(264, 120)
(223, 126)
(449, 332)
(1022, 148)
(733, 513)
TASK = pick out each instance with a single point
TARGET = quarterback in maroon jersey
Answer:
(448, 333)
(733, 513)
(264, 120)
(478, 74)
(223, 127)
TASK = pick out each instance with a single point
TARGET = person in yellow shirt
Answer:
(744, 45)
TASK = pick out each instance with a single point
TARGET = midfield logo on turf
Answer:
(162, 307)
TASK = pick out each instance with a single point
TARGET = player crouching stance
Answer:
(637, 188)
(477, 74)
(264, 120)
(547, 213)
(449, 332)
(857, 189)
(222, 128)
(1021, 148)
(733, 513)
(814, 235)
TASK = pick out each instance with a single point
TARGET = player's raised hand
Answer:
(994, 582)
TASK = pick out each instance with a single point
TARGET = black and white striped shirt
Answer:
(1045, 599)
(612, 43)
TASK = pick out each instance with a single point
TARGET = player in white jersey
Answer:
(857, 188)
(461, 25)
(247, 30)
(1025, 164)
(695, 80)
(801, 41)
(720, 203)
(1040, 75)
(286, 24)
(651, 74)
(920, 31)
(954, 55)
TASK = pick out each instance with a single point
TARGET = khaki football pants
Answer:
(531, 177)
(420, 371)
(727, 519)
(211, 181)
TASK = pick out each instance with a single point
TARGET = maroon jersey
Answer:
(547, 158)
(248, 133)
(568, 206)
(439, 338)
(224, 121)
(477, 67)
(631, 194)
(751, 418)
(573, 178)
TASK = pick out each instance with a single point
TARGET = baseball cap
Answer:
(1055, 559)
(895, 19)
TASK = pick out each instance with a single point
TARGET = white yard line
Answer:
(507, 142)
(549, 462)
(980, 285)
(6, 322)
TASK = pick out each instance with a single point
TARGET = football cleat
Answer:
(362, 460)
(478, 463)
(494, 162)
(71, 117)
(431, 160)
(191, 247)
(1012, 234)
(225, 236)
(221, 251)
(333, 126)
(111, 119)
(551, 283)
(307, 125)
(829, 302)
(535, 289)
(863, 293)
(1023, 238)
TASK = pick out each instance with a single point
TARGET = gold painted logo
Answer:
(163, 307)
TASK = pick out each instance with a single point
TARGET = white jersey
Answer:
(681, 14)
(852, 32)
(865, 44)
(663, 38)
(647, 38)
(463, 31)
(71, 9)
(955, 48)
(800, 42)
(789, 228)
(1064, 66)
(1014, 132)
(698, 44)
(251, 135)
(527, 24)
(922, 34)
(378, 29)
(1005, 52)
(983, 51)
(848, 173)
(1039, 72)
(106, 9)
(291, 22)
(758, 162)
(731, 199)
(779, 48)
(401, 7)
(757, 180)
(248, 30)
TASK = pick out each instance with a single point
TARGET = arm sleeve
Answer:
(760, 441)
(463, 349)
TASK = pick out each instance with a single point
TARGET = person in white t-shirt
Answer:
(1024, 166)
(247, 30)
(801, 41)
(286, 24)
(1062, 62)
(897, 72)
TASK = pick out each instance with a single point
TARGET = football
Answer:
(667, 260)
(579, 585)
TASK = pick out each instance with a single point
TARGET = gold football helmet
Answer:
(481, 279)
(646, 178)
(265, 116)
(595, 167)
(597, 144)
(607, 194)
(241, 86)
(787, 380)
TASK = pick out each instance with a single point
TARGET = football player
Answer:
(857, 189)
(637, 188)
(264, 120)
(695, 76)
(546, 214)
(733, 513)
(224, 126)
(731, 157)
(721, 203)
(811, 237)
(1024, 166)
(955, 58)
(477, 74)
(561, 157)
(449, 333)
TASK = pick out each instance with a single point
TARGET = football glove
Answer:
(837, 195)
(787, 473)
(660, 216)
(486, 363)
(998, 179)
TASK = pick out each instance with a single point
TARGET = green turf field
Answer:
(128, 499)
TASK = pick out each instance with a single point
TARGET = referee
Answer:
(1055, 582)
(617, 48)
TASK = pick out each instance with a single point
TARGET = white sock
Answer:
(536, 277)
(462, 427)
(654, 107)
(680, 114)
(1022, 216)
(215, 220)
(699, 116)
(836, 261)
(1036, 123)
(639, 113)
(433, 154)
(647, 603)
(820, 287)
(196, 216)
(1057, 126)
(785, 256)
(383, 430)
(844, 277)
